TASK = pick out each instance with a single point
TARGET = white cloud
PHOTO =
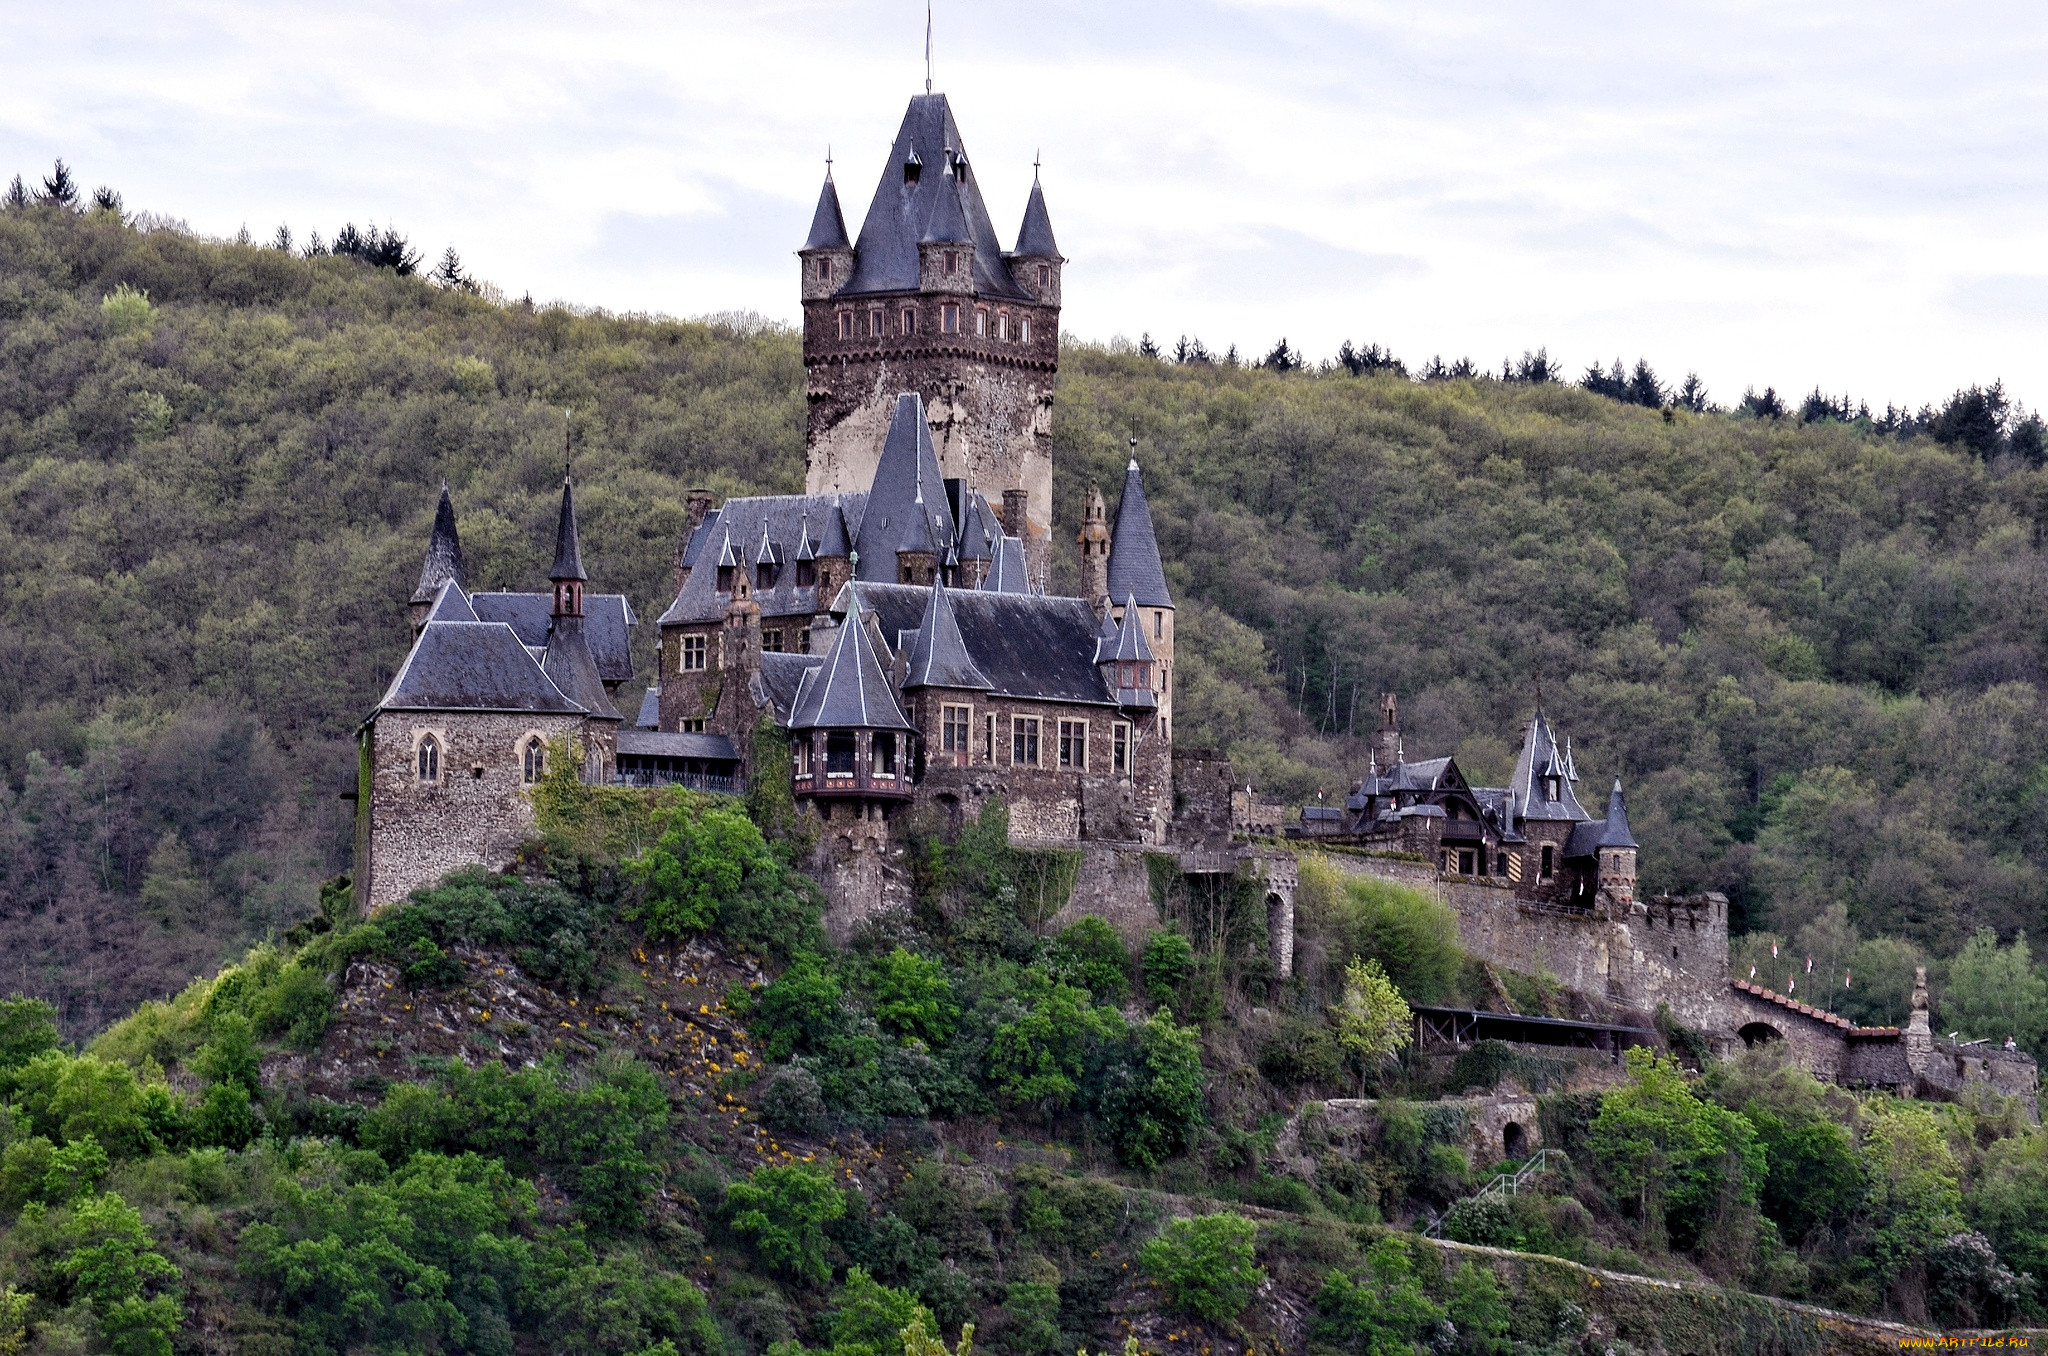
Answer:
(1845, 195)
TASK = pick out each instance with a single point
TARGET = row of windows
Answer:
(766, 573)
(1032, 744)
(533, 757)
(693, 653)
(952, 266)
(1001, 326)
(839, 755)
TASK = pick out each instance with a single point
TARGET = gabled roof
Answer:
(1106, 637)
(906, 506)
(885, 255)
(1006, 571)
(1134, 566)
(850, 690)
(938, 656)
(980, 529)
(444, 552)
(664, 744)
(472, 666)
(650, 710)
(1034, 237)
(451, 605)
(776, 682)
(568, 550)
(1027, 645)
(947, 224)
(571, 667)
(608, 623)
(1539, 757)
(1130, 637)
(786, 520)
(706, 531)
(828, 223)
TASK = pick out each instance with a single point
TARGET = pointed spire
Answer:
(828, 223)
(1034, 237)
(850, 690)
(1130, 639)
(1616, 834)
(901, 513)
(1134, 568)
(444, 552)
(922, 170)
(938, 657)
(568, 550)
(948, 223)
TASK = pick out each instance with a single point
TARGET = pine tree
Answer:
(105, 199)
(315, 246)
(1692, 394)
(1146, 348)
(1643, 387)
(17, 195)
(449, 272)
(60, 189)
(282, 241)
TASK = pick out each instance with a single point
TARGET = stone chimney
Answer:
(1013, 514)
(1919, 1035)
(1387, 742)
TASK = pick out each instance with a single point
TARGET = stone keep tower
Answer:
(927, 300)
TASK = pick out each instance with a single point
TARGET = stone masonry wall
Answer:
(1673, 952)
(477, 814)
(1115, 886)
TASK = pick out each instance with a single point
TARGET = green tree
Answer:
(800, 1012)
(1091, 954)
(1479, 1311)
(1149, 1093)
(1169, 956)
(1997, 992)
(868, 1318)
(783, 1211)
(1372, 1018)
(1037, 1060)
(1205, 1264)
(28, 1027)
(913, 998)
(704, 858)
(113, 1264)
(1382, 1311)
(1914, 1196)
(1672, 1156)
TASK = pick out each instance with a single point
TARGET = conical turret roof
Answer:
(938, 657)
(828, 224)
(1541, 758)
(568, 550)
(444, 553)
(850, 690)
(906, 508)
(1034, 237)
(948, 222)
(1616, 835)
(569, 663)
(1134, 568)
(1130, 637)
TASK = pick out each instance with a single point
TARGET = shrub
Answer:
(1091, 954)
(869, 1318)
(783, 1211)
(1380, 1310)
(710, 867)
(1482, 1219)
(913, 999)
(799, 1012)
(1037, 1060)
(1148, 1091)
(1205, 1265)
(1168, 959)
(793, 1102)
(1302, 1051)
(1479, 1311)
(1411, 933)
(28, 1027)
(1032, 1304)
(1675, 1158)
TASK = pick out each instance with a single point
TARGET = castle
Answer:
(892, 624)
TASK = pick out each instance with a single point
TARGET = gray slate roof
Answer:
(886, 255)
(472, 666)
(1134, 566)
(650, 710)
(947, 224)
(572, 668)
(1006, 571)
(452, 605)
(1034, 237)
(608, 623)
(568, 550)
(444, 552)
(906, 509)
(776, 682)
(1540, 757)
(785, 519)
(980, 529)
(851, 689)
(1026, 644)
(828, 223)
(1130, 637)
(1612, 832)
(938, 656)
(636, 743)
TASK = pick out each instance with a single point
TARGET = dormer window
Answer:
(764, 575)
(912, 168)
(806, 573)
(725, 578)
(1550, 788)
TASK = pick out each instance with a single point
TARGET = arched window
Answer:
(535, 760)
(430, 759)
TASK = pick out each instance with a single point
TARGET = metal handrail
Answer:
(1509, 1182)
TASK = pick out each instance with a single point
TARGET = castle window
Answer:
(1044, 276)
(1074, 744)
(885, 754)
(535, 760)
(802, 753)
(980, 323)
(806, 573)
(1023, 742)
(764, 576)
(771, 640)
(846, 324)
(725, 578)
(1500, 864)
(988, 741)
(874, 324)
(912, 168)
(1158, 625)
(909, 321)
(839, 753)
(953, 732)
(1544, 871)
(1003, 325)
(949, 319)
(1482, 862)
(692, 654)
(825, 270)
(1024, 329)
(1465, 861)
(694, 725)
(430, 759)
(1120, 749)
(952, 262)
(803, 641)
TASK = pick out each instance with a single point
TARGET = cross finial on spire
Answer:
(828, 162)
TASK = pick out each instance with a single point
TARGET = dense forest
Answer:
(626, 1099)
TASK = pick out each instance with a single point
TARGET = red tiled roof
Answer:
(1759, 991)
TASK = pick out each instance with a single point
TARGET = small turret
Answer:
(907, 527)
(1386, 747)
(1136, 574)
(442, 565)
(1615, 871)
(827, 256)
(568, 660)
(567, 571)
(1035, 263)
(1094, 543)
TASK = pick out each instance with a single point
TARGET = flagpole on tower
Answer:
(927, 47)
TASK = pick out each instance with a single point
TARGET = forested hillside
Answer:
(1811, 648)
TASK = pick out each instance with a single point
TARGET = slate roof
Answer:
(980, 529)
(608, 623)
(1027, 645)
(635, 743)
(1034, 237)
(452, 605)
(568, 550)
(1497, 804)
(906, 507)
(828, 223)
(444, 552)
(1130, 637)
(570, 665)
(1134, 566)
(1006, 571)
(850, 690)
(938, 656)
(472, 666)
(886, 255)
(786, 520)
(706, 530)
(1540, 756)
(947, 224)
(776, 682)
(650, 710)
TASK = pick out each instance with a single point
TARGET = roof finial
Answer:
(565, 445)
(927, 47)
(1035, 155)
(828, 162)
(1134, 453)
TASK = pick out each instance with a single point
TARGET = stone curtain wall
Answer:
(419, 832)
(1676, 952)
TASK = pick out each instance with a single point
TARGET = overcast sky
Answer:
(1845, 194)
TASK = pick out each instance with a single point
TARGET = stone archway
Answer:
(1280, 931)
(1759, 1033)
(1514, 1141)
